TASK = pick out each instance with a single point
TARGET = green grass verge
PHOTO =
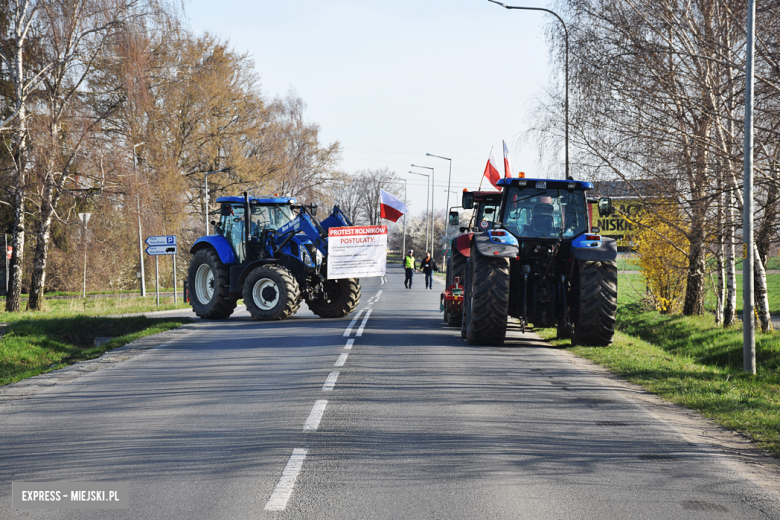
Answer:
(64, 333)
(33, 346)
(695, 363)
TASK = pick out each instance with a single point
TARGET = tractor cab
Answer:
(533, 212)
(266, 216)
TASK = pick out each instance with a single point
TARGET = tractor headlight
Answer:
(319, 256)
(306, 258)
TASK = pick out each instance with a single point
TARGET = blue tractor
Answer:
(272, 252)
(539, 261)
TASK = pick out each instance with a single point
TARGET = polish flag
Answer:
(507, 163)
(390, 208)
(491, 169)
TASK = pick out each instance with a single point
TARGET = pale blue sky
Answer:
(393, 80)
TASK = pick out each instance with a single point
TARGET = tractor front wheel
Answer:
(342, 297)
(489, 300)
(208, 280)
(597, 304)
(271, 293)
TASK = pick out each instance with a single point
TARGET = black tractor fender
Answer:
(495, 246)
(607, 251)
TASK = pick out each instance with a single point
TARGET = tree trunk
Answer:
(38, 281)
(760, 292)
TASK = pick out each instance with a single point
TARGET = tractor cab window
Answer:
(489, 213)
(538, 213)
(231, 226)
(271, 216)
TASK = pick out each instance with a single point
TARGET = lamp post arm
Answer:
(566, 39)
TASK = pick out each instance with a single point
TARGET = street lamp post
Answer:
(449, 177)
(566, 34)
(433, 180)
(138, 207)
(403, 242)
(427, 200)
(206, 196)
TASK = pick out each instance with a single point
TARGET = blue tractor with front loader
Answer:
(272, 252)
(540, 262)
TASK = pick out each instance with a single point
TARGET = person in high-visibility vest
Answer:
(409, 265)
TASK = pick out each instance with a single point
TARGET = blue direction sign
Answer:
(167, 240)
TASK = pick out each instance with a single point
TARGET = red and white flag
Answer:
(507, 163)
(390, 207)
(491, 169)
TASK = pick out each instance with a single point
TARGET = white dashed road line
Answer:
(330, 382)
(348, 346)
(352, 323)
(341, 360)
(315, 416)
(284, 487)
(363, 324)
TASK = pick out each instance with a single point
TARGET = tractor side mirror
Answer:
(313, 210)
(468, 200)
(462, 229)
(454, 218)
(605, 207)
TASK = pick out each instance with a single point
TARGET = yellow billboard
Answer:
(617, 225)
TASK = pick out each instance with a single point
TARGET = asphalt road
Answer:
(393, 416)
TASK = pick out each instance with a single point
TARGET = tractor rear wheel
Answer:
(343, 297)
(597, 304)
(208, 282)
(489, 300)
(464, 322)
(458, 267)
(271, 293)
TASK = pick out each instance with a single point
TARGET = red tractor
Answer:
(486, 205)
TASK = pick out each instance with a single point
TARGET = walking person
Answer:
(409, 265)
(428, 266)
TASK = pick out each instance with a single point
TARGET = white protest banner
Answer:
(357, 252)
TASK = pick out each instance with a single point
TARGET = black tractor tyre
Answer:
(464, 322)
(207, 278)
(454, 320)
(343, 297)
(489, 301)
(271, 293)
(458, 267)
(597, 306)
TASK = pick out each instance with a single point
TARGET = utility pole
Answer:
(748, 313)
(84, 217)
(138, 207)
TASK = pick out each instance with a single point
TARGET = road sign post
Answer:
(162, 245)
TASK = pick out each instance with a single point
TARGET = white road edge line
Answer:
(352, 323)
(315, 416)
(330, 382)
(284, 488)
(341, 360)
(363, 324)
(348, 346)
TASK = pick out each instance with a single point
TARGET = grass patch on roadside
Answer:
(693, 362)
(64, 332)
(100, 306)
(33, 346)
